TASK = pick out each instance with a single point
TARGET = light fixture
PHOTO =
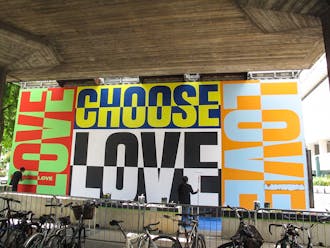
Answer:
(120, 80)
(292, 74)
(38, 84)
(188, 77)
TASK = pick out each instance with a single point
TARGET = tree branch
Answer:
(6, 107)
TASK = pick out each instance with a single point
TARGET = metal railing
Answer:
(218, 225)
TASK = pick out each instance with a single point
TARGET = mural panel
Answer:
(136, 139)
(263, 150)
(42, 140)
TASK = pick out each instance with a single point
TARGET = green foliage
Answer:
(3, 173)
(9, 114)
(322, 181)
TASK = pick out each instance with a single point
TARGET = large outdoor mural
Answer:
(134, 139)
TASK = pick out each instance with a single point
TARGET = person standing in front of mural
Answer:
(16, 177)
(184, 191)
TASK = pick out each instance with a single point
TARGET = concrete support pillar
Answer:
(326, 35)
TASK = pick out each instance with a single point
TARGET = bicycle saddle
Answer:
(115, 222)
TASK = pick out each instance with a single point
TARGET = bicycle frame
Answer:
(244, 233)
(147, 238)
(78, 231)
(291, 235)
(191, 236)
(129, 241)
(7, 210)
(142, 239)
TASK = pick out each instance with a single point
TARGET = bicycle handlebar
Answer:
(324, 219)
(270, 225)
(149, 227)
(53, 205)
(289, 226)
(237, 209)
(9, 199)
(115, 222)
(68, 204)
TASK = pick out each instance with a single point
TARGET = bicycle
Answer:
(141, 240)
(17, 233)
(193, 239)
(76, 234)
(291, 234)
(48, 225)
(7, 215)
(246, 236)
(15, 226)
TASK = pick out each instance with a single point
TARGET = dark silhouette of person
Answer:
(16, 177)
(184, 191)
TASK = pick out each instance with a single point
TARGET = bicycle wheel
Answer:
(34, 241)
(15, 239)
(225, 245)
(200, 242)
(77, 245)
(67, 235)
(281, 244)
(295, 245)
(166, 241)
(3, 228)
(55, 241)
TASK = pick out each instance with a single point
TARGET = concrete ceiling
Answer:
(44, 40)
